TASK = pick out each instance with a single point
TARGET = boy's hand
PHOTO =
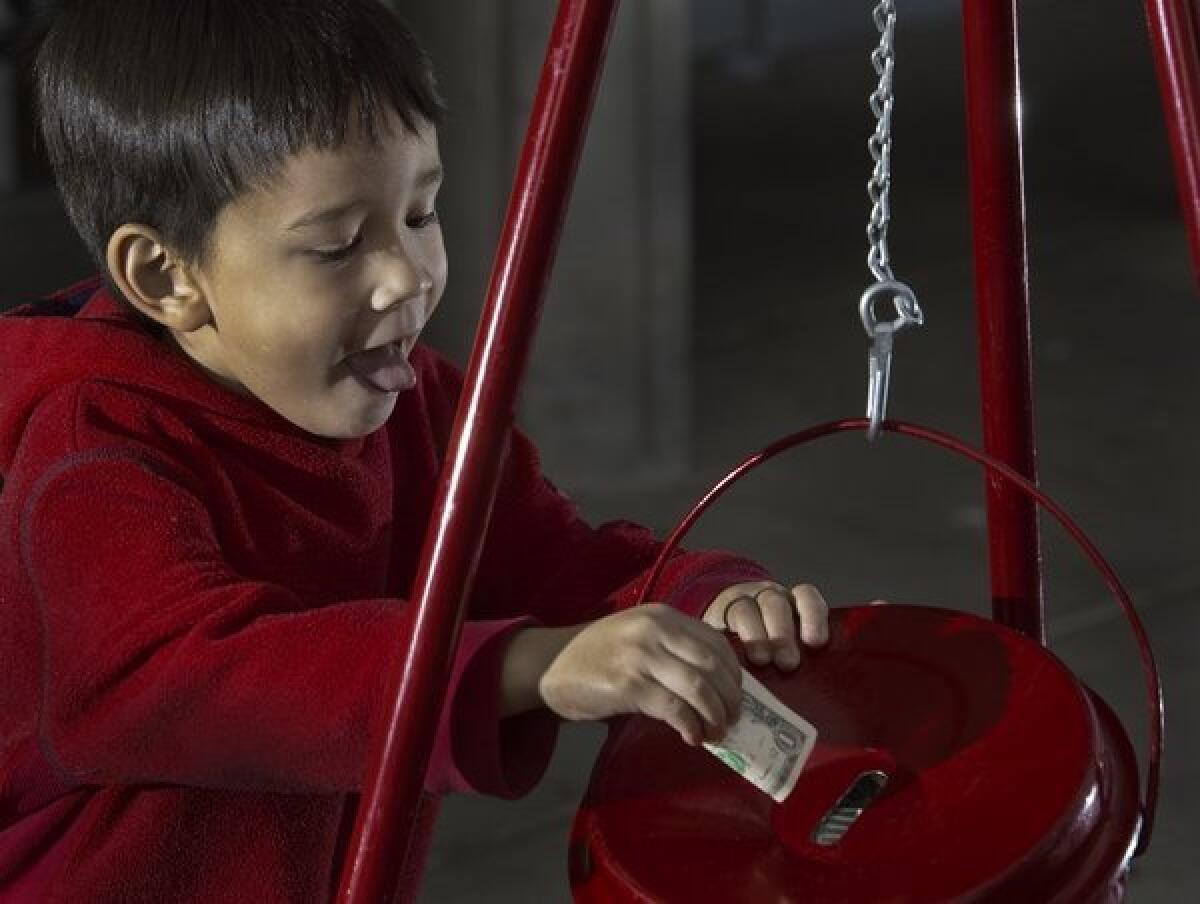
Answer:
(764, 614)
(650, 660)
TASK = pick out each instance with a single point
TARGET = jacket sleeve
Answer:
(543, 559)
(162, 665)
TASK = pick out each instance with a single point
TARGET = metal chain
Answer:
(882, 333)
(882, 102)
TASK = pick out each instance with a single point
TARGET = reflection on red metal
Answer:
(1173, 32)
(466, 490)
(1002, 305)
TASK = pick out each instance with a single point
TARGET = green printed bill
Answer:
(769, 744)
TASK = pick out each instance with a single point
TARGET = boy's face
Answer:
(319, 285)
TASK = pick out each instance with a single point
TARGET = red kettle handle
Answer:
(934, 437)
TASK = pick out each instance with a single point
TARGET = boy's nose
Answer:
(404, 281)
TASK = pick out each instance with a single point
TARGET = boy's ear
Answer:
(155, 280)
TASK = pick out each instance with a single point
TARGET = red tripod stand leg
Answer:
(466, 490)
(1002, 300)
(1177, 54)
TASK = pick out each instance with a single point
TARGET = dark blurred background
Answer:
(705, 303)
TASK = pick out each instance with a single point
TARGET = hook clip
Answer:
(882, 333)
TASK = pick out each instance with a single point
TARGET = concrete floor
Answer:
(780, 211)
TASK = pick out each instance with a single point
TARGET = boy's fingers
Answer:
(780, 621)
(659, 703)
(717, 617)
(715, 659)
(745, 620)
(696, 647)
(814, 614)
(714, 640)
(694, 689)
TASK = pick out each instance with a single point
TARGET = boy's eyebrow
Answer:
(322, 216)
(429, 177)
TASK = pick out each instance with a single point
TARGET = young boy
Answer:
(219, 461)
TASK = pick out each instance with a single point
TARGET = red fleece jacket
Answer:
(199, 602)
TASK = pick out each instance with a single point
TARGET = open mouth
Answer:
(384, 368)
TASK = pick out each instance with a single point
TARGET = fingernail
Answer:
(759, 655)
(789, 659)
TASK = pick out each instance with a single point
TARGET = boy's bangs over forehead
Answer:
(163, 111)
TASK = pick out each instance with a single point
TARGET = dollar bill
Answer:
(769, 744)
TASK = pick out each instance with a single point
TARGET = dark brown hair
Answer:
(163, 111)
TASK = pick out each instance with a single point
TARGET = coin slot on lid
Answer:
(845, 813)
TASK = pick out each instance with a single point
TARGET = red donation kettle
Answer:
(957, 760)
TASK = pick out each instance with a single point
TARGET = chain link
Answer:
(882, 333)
(883, 59)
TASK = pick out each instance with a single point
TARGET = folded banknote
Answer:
(769, 744)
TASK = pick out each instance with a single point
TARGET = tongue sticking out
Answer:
(384, 369)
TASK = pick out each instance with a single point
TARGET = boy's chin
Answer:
(367, 422)
(350, 422)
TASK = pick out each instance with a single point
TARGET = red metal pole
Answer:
(467, 487)
(1002, 300)
(1173, 33)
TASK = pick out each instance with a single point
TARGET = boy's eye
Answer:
(339, 254)
(336, 255)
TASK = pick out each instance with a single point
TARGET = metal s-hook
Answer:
(882, 333)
